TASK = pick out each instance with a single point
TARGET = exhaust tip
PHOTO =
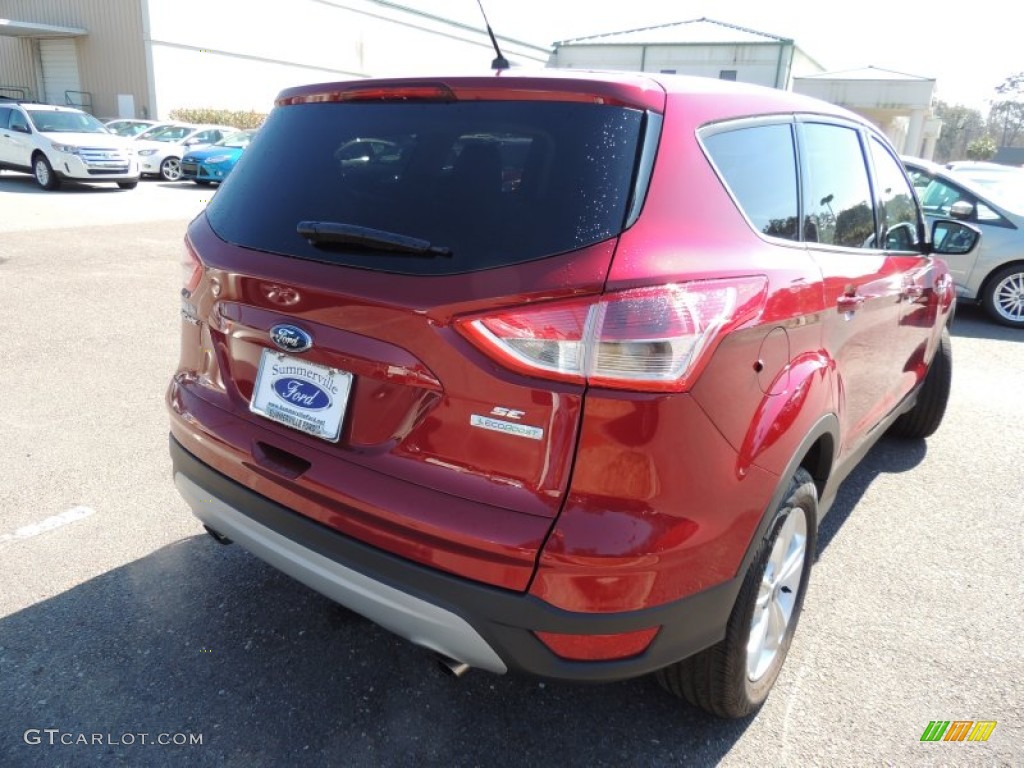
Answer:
(220, 538)
(451, 667)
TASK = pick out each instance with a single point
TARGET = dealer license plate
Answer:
(305, 396)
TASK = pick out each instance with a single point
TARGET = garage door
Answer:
(60, 68)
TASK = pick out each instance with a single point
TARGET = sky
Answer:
(968, 52)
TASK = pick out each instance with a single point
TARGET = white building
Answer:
(899, 104)
(697, 47)
(143, 58)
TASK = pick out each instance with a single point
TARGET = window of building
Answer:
(727, 74)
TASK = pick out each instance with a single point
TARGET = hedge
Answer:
(203, 115)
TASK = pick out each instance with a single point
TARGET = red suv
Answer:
(557, 372)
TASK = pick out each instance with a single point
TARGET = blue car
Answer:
(212, 163)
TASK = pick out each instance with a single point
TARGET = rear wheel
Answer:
(43, 172)
(170, 169)
(1004, 296)
(925, 417)
(734, 677)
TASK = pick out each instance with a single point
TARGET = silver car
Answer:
(993, 273)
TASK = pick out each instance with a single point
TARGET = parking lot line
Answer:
(49, 524)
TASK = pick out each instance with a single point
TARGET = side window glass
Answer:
(5, 114)
(17, 121)
(897, 209)
(983, 213)
(919, 179)
(758, 165)
(939, 197)
(837, 196)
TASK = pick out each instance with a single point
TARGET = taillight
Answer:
(650, 339)
(191, 268)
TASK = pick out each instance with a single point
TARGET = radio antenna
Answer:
(500, 62)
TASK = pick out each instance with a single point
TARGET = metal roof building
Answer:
(696, 47)
(899, 104)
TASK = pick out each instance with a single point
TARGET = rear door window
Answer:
(837, 196)
(493, 183)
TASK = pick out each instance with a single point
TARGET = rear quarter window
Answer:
(758, 165)
(496, 183)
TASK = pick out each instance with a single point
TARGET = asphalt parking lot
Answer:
(120, 619)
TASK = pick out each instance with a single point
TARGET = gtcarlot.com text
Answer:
(56, 737)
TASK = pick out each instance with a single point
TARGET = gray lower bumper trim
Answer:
(416, 620)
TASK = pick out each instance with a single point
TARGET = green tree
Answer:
(960, 126)
(981, 149)
(1006, 118)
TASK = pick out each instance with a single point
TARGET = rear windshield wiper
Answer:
(320, 233)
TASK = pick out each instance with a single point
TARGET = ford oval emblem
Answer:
(302, 394)
(290, 339)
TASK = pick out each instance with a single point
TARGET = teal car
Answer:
(211, 164)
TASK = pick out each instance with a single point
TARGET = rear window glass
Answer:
(493, 183)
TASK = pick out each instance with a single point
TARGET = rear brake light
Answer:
(651, 339)
(437, 92)
(191, 268)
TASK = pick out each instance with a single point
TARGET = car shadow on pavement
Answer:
(890, 455)
(201, 639)
(972, 322)
(24, 184)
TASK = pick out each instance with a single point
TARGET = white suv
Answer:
(58, 143)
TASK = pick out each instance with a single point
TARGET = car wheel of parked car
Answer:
(1004, 296)
(925, 417)
(43, 171)
(201, 182)
(170, 169)
(733, 677)
(127, 184)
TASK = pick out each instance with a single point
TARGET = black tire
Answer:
(170, 169)
(43, 173)
(925, 417)
(127, 184)
(717, 679)
(1003, 298)
(202, 182)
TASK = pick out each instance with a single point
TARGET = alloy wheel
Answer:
(171, 169)
(1008, 297)
(777, 594)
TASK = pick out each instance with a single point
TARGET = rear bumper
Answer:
(483, 626)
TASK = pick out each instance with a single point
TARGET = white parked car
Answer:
(160, 148)
(62, 143)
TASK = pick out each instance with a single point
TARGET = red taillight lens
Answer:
(648, 339)
(598, 647)
(191, 268)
